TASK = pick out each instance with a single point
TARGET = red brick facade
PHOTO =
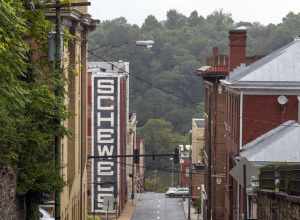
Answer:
(263, 112)
(222, 139)
(184, 173)
(260, 114)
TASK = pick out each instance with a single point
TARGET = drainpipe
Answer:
(298, 97)
(241, 145)
(238, 201)
(241, 119)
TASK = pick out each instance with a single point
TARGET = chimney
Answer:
(237, 44)
(215, 51)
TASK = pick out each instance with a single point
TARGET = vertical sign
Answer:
(104, 139)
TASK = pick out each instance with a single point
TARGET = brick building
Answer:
(184, 166)
(118, 73)
(259, 97)
(198, 169)
(215, 151)
(134, 171)
(244, 99)
(73, 198)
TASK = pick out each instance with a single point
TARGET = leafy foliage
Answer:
(162, 79)
(27, 99)
(165, 92)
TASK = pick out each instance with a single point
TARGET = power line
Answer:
(152, 168)
(145, 81)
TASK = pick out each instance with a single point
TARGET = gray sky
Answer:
(135, 11)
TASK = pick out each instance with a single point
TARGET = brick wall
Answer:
(184, 175)
(216, 100)
(262, 113)
(278, 206)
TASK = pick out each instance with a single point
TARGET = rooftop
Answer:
(278, 145)
(108, 67)
(280, 68)
(199, 122)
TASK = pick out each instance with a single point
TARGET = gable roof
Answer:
(280, 68)
(282, 144)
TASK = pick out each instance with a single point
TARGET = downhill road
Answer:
(155, 206)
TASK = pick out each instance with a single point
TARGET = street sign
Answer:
(237, 172)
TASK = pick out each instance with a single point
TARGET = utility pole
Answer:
(172, 161)
(58, 90)
(245, 191)
(132, 182)
(190, 178)
(57, 94)
(209, 189)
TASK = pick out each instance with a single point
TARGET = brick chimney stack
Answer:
(237, 44)
(215, 51)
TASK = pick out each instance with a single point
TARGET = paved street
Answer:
(155, 206)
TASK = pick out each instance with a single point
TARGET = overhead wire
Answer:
(151, 168)
(151, 85)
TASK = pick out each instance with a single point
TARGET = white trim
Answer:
(241, 118)
(92, 143)
(119, 146)
(272, 92)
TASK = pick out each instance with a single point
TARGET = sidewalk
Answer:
(194, 215)
(128, 211)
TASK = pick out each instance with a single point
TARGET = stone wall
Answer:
(278, 206)
(7, 194)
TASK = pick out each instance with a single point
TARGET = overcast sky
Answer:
(135, 11)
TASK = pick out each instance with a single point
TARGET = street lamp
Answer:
(148, 44)
(189, 147)
(145, 43)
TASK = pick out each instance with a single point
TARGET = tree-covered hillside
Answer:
(165, 92)
(163, 84)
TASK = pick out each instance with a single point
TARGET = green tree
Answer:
(163, 83)
(27, 102)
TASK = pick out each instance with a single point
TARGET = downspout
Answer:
(298, 97)
(213, 192)
(241, 145)
(238, 201)
(83, 115)
(241, 119)
(209, 158)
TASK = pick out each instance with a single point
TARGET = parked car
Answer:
(177, 192)
(171, 192)
(182, 192)
(44, 215)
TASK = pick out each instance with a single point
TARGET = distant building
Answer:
(140, 167)
(198, 140)
(198, 168)
(131, 144)
(135, 171)
(184, 178)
